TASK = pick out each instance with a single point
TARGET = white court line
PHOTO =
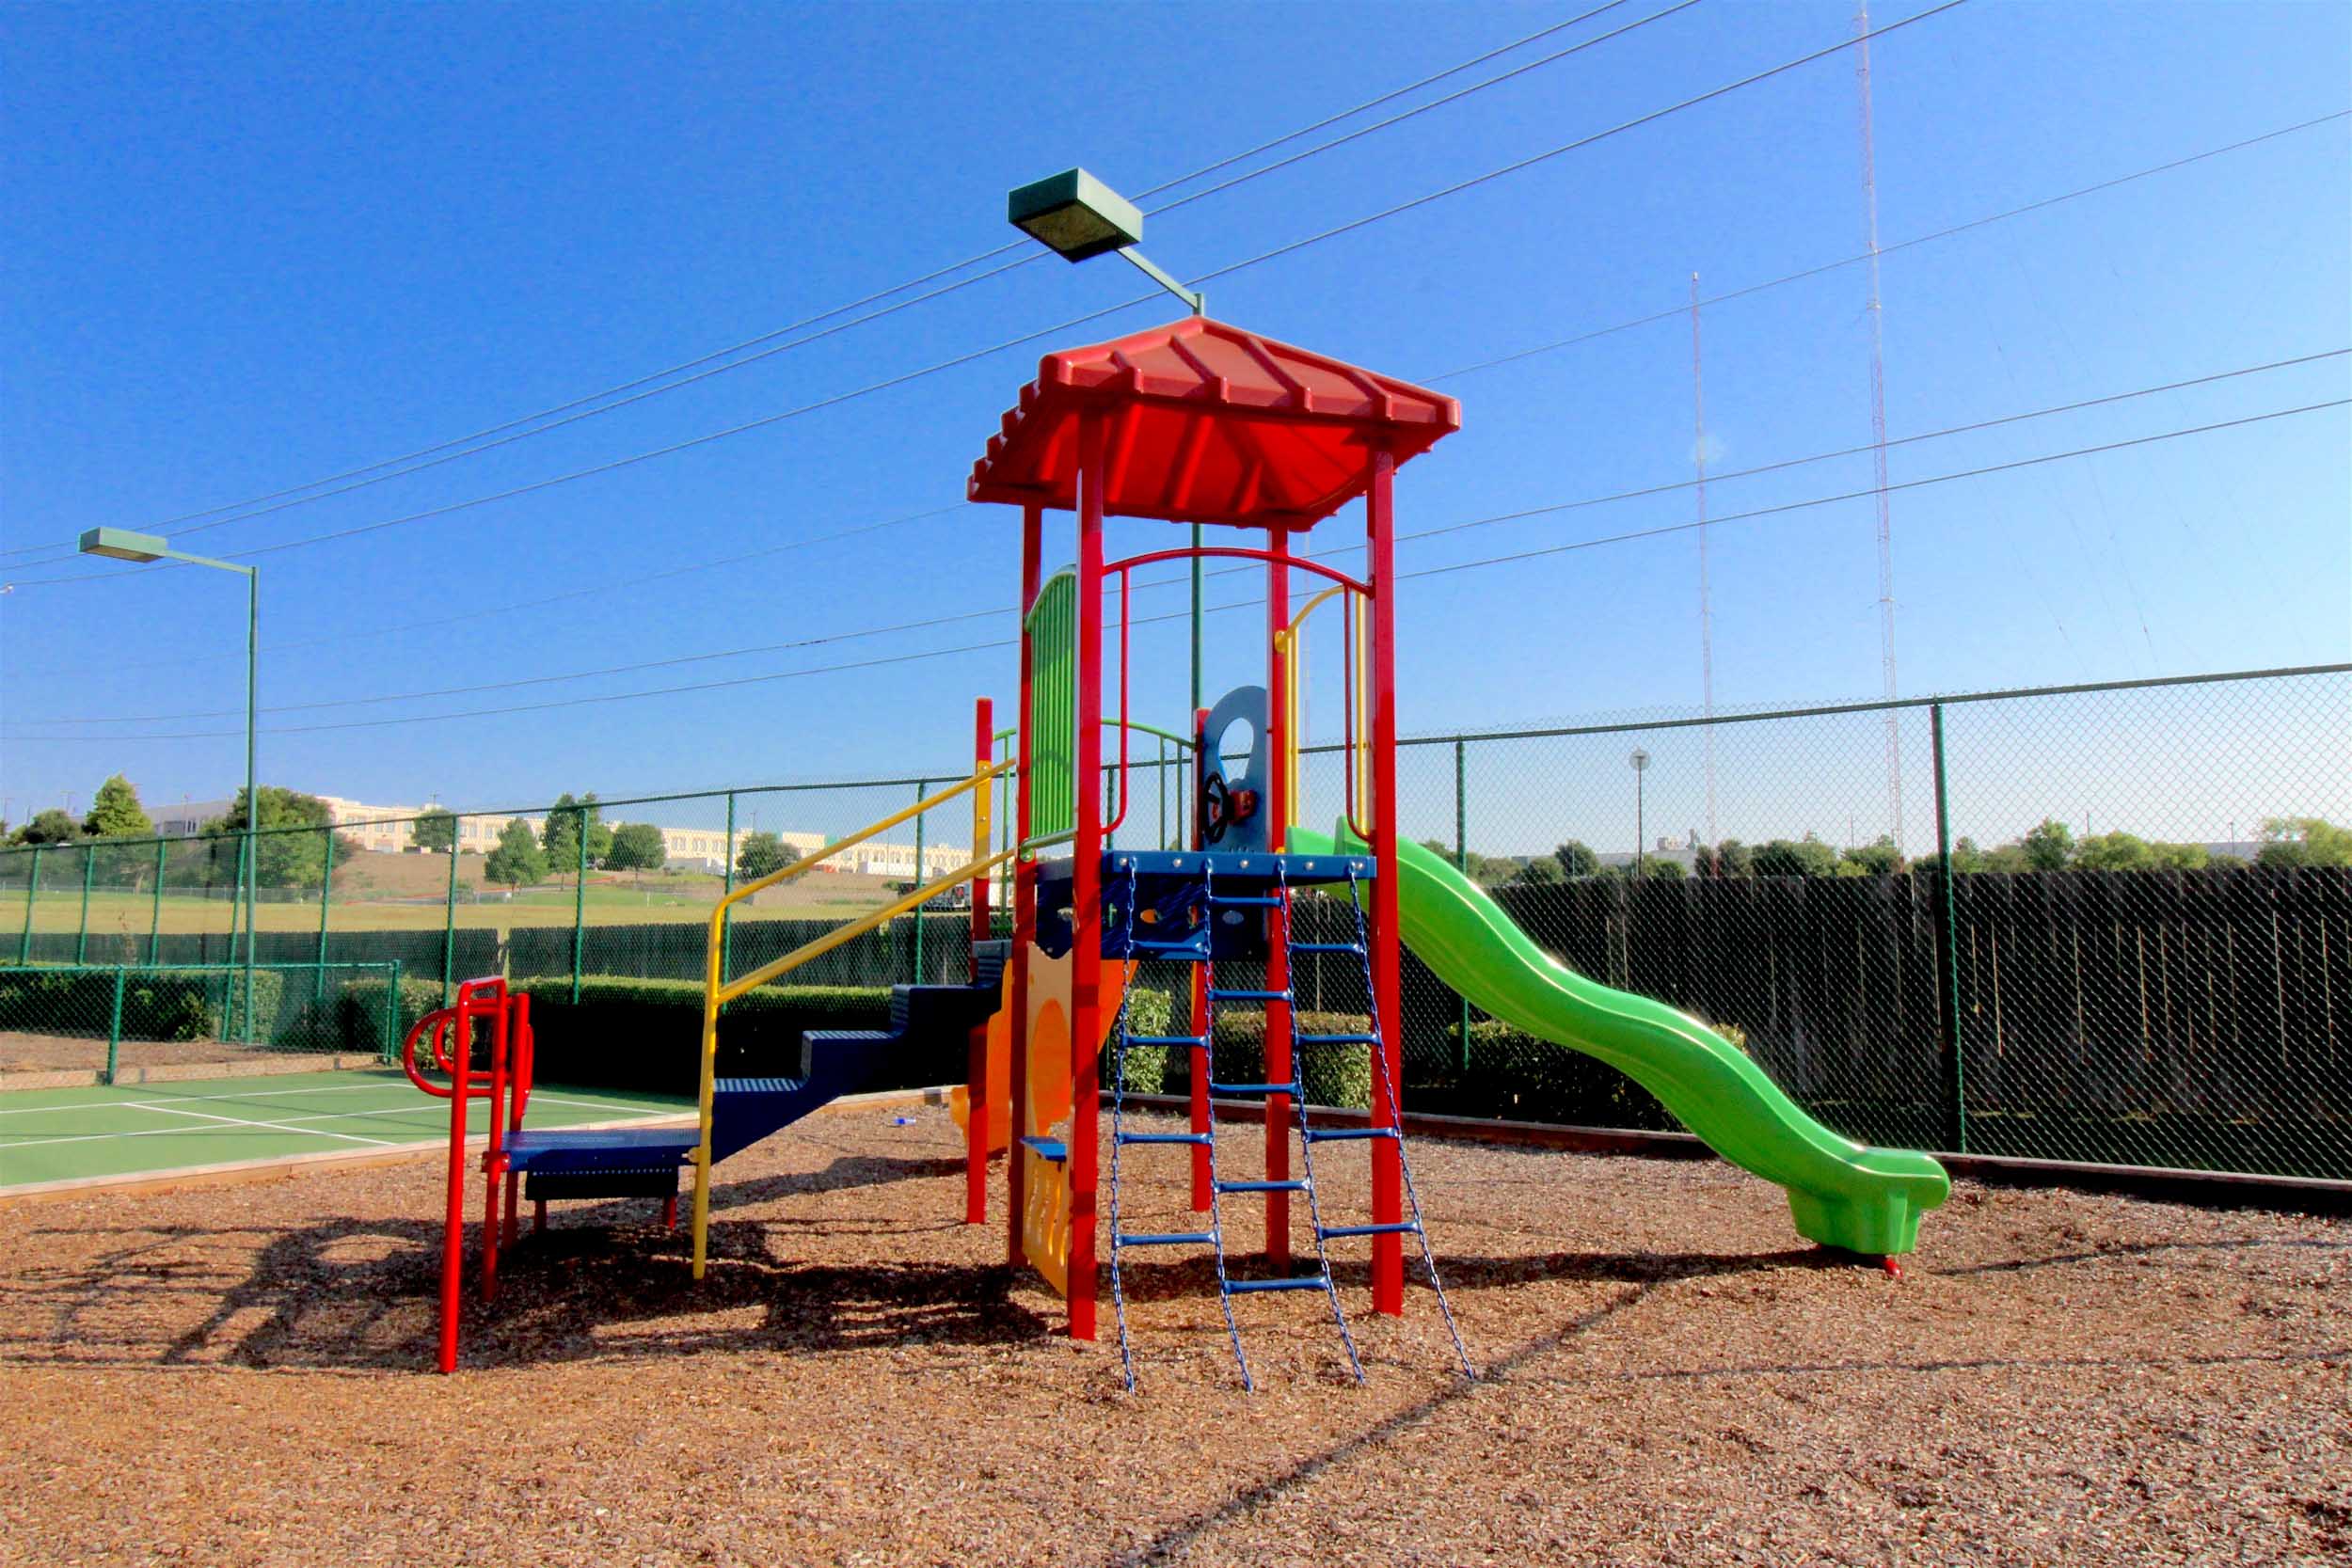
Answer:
(286, 1124)
(281, 1094)
(242, 1121)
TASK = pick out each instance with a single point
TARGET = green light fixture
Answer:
(1078, 216)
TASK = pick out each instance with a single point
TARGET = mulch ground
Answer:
(238, 1375)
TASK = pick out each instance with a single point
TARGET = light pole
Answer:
(1640, 759)
(122, 545)
(1076, 216)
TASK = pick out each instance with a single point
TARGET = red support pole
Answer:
(1024, 904)
(453, 1231)
(1205, 1054)
(1388, 1188)
(493, 1153)
(1086, 887)
(517, 1095)
(1278, 959)
(976, 1128)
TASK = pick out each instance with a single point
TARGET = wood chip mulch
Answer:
(237, 1375)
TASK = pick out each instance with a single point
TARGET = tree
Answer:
(281, 859)
(1731, 858)
(1880, 858)
(1543, 871)
(1659, 868)
(2115, 851)
(115, 812)
(1577, 859)
(637, 846)
(560, 836)
(516, 858)
(2180, 857)
(1806, 857)
(2050, 846)
(2290, 841)
(434, 829)
(49, 827)
(764, 854)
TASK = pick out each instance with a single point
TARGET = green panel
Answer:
(1053, 627)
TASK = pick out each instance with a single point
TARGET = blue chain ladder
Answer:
(1362, 948)
(1215, 1236)
(1306, 1135)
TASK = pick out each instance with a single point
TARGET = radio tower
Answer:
(1707, 607)
(1877, 434)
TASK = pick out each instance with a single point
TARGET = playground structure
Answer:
(1195, 423)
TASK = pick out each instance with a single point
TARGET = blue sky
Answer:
(256, 246)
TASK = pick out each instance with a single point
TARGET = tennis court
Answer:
(64, 1134)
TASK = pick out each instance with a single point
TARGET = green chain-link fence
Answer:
(2144, 955)
(67, 1023)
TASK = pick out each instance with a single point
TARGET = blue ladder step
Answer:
(1247, 900)
(1338, 1039)
(1326, 947)
(1216, 995)
(1167, 1040)
(1299, 1282)
(1347, 1134)
(1176, 944)
(1167, 1238)
(1164, 1138)
(1049, 1149)
(1290, 1087)
(1331, 1232)
(1262, 1186)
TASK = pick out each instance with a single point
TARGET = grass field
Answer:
(372, 904)
(60, 1134)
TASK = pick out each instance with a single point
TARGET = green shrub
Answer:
(1520, 1076)
(1334, 1074)
(158, 1003)
(646, 1035)
(1150, 1069)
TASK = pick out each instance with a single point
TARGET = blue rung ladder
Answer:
(1203, 907)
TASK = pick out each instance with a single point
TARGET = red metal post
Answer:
(1086, 891)
(1023, 902)
(493, 1153)
(454, 1219)
(1204, 1053)
(1278, 959)
(1388, 1188)
(522, 1048)
(976, 1066)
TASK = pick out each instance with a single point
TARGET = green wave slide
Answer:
(1841, 1193)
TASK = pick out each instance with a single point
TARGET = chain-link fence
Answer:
(2143, 954)
(74, 1022)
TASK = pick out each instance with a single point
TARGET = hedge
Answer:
(1336, 1074)
(1523, 1077)
(157, 1005)
(646, 1035)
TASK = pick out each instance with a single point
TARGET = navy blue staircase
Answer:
(630, 1162)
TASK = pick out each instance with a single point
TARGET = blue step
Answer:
(1300, 1282)
(1048, 1149)
(1326, 947)
(1216, 995)
(1331, 1232)
(1262, 1186)
(1338, 1039)
(1167, 1040)
(1193, 943)
(1201, 1138)
(1291, 1087)
(1247, 900)
(1167, 1238)
(1347, 1134)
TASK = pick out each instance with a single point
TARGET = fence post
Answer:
(326, 896)
(1461, 864)
(920, 788)
(32, 889)
(246, 844)
(114, 1030)
(391, 1018)
(579, 898)
(155, 909)
(1947, 929)
(448, 911)
(81, 938)
(727, 885)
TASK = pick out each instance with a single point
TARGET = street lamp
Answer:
(122, 545)
(1640, 759)
(1076, 216)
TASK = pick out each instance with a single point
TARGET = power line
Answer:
(698, 364)
(1548, 509)
(1449, 569)
(968, 357)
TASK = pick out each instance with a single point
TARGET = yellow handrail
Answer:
(1291, 644)
(718, 991)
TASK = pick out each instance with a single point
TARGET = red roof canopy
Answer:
(1206, 423)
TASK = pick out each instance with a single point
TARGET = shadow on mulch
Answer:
(348, 1294)
(1464, 1273)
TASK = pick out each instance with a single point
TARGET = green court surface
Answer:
(62, 1134)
